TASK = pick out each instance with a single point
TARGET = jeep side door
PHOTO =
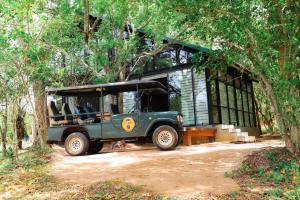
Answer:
(122, 126)
(125, 123)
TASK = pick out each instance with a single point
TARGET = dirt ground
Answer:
(187, 172)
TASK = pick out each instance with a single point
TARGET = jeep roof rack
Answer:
(108, 88)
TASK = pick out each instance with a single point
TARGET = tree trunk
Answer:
(292, 141)
(258, 111)
(268, 89)
(120, 96)
(20, 127)
(86, 50)
(4, 128)
(15, 136)
(293, 130)
(86, 21)
(40, 113)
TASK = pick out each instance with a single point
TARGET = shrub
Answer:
(273, 167)
(245, 167)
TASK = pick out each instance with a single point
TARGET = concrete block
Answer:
(225, 137)
(236, 130)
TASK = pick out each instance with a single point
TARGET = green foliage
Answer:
(260, 171)
(230, 174)
(30, 174)
(9, 153)
(262, 37)
(33, 157)
(274, 193)
(275, 169)
(245, 167)
(40, 150)
(233, 195)
(283, 171)
(282, 194)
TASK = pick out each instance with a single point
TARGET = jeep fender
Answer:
(70, 130)
(162, 121)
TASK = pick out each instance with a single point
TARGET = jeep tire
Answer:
(95, 147)
(76, 144)
(165, 137)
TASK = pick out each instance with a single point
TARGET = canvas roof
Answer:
(108, 88)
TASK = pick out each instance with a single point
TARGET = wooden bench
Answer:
(190, 132)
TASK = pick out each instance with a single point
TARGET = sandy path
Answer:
(188, 171)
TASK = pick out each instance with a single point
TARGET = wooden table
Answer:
(197, 132)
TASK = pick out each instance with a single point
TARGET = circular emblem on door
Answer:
(128, 124)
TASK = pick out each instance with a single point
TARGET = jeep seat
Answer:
(83, 117)
(55, 117)
(66, 112)
(90, 112)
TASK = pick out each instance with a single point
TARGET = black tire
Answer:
(95, 147)
(76, 144)
(165, 137)
(180, 136)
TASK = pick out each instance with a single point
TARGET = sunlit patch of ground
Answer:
(194, 171)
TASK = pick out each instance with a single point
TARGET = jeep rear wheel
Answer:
(95, 147)
(165, 137)
(76, 144)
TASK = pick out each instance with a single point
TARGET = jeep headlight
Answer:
(180, 118)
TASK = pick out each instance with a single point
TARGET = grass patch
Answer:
(115, 189)
(271, 173)
(28, 179)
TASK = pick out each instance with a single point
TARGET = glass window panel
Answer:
(246, 114)
(213, 73)
(149, 43)
(182, 57)
(106, 102)
(237, 83)
(213, 91)
(239, 99)
(231, 96)
(250, 103)
(189, 57)
(129, 102)
(245, 101)
(244, 85)
(222, 76)
(200, 98)
(252, 120)
(181, 95)
(165, 59)
(241, 118)
(229, 79)
(233, 117)
(215, 113)
(249, 90)
(223, 96)
(224, 113)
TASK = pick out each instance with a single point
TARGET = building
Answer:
(205, 97)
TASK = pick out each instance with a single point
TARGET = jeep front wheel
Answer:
(76, 144)
(165, 137)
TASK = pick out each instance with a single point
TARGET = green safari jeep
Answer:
(84, 117)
